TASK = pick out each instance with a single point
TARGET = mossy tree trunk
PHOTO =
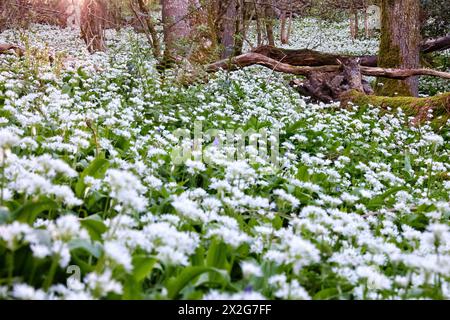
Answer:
(435, 108)
(399, 45)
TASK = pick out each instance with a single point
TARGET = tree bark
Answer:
(176, 27)
(93, 17)
(253, 58)
(306, 57)
(228, 29)
(150, 26)
(399, 45)
(438, 44)
(268, 16)
(283, 31)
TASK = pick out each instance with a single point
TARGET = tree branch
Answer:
(253, 58)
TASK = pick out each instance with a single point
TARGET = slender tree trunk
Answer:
(283, 31)
(176, 27)
(93, 17)
(268, 16)
(156, 46)
(258, 25)
(289, 29)
(366, 24)
(228, 29)
(400, 45)
(241, 28)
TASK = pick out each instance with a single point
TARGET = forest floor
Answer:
(100, 200)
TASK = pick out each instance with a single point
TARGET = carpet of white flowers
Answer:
(93, 207)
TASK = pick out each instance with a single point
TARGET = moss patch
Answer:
(411, 106)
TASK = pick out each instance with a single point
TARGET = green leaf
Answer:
(97, 169)
(216, 257)
(326, 294)
(198, 259)
(142, 267)
(4, 215)
(408, 167)
(175, 285)
(82, 73)
(30, 211)
(94, 226)
(380, 200)
(93, 249)
(132, 289)
(217, 254)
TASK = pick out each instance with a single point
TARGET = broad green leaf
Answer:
(326, 294)
(97, 169)
(93, 249)
(175, 285)
(94, 226)
(142, 267)
(408, 167)
(30, 211)
(4, 215)
(217, 254)
(380, 200)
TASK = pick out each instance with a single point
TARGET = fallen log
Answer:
(419, 108)
(438, 44)
(402, 73)
(6, 48)
(251, 58)
(324, 83)
(307, 57)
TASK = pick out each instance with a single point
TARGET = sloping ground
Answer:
(355, 206)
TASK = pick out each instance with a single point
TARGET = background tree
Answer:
(436, 19)
(399, 45)
(93, 18)
(177, 29)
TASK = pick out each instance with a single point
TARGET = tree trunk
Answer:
(258, 25)
(289, 31)
(366, 24)
(156, 46)
(241, 27)
(283, 31)
(228, 29)
(399, 45)
(93, 17)
(176, 27)
(268, 16)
